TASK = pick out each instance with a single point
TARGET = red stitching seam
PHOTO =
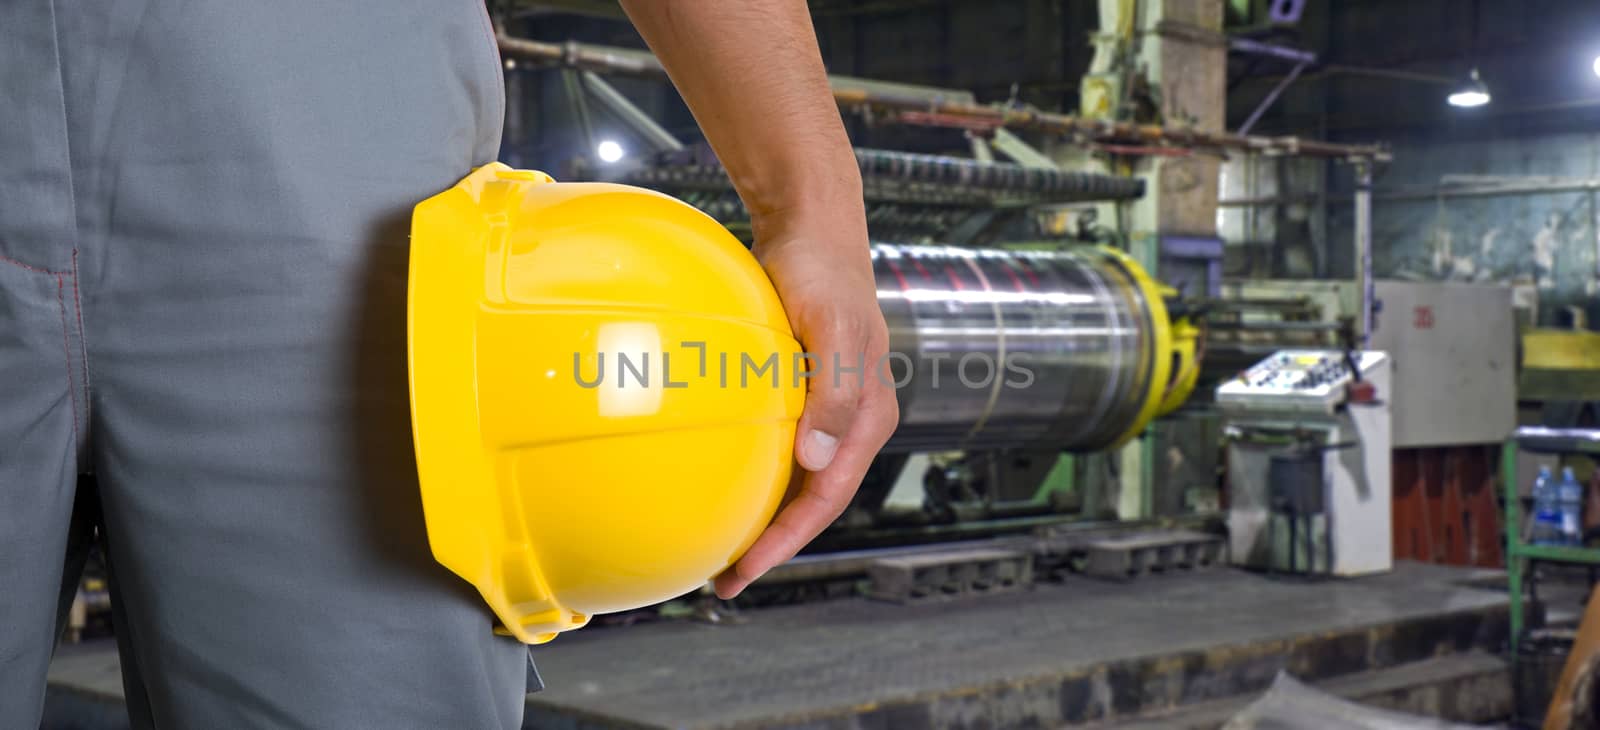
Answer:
(83, 341)
(35, 269)
(66, 349)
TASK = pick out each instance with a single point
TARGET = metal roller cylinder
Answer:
(1001, 348)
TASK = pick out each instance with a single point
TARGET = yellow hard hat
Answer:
(604, 391)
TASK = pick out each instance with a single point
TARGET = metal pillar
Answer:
(1363, 211)
(580, 106)
(1513, 500)
(981, 151)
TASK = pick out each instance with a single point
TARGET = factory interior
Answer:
(1310, 291)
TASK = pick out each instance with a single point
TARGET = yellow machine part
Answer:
(1162, 337)
(1556, 349)
(1559, 365)
(1186, 367)
(587, 439)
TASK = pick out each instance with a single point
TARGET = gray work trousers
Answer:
(203, 252)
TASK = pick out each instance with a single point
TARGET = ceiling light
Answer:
(1597, 65)
(1472, 93)
(608, 151)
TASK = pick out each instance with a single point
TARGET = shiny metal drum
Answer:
(995, 348)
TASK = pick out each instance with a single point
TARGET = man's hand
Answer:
(751, 73)
(824, 277)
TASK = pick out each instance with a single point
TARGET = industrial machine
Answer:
(1042, 371)
(1309, 462)
(990, 350)
(1017, 339)
(1006, 359)
(1070, 349)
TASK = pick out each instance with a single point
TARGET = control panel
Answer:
(1296, 380)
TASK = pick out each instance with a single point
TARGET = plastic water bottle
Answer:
(1546, 510)
(1569, 499)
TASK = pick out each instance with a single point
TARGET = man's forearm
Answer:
(753, 77)
(751, 74)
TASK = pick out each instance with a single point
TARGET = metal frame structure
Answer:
(1539, 440)
(900, 99)
(991, 129)
(1300, 59)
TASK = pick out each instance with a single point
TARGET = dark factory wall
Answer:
(1493, 193)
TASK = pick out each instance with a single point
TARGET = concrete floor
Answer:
(1083, 650)
(1217, 631)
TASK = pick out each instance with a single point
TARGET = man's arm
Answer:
(753, 77)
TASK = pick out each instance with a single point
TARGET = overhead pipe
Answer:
(638, 63)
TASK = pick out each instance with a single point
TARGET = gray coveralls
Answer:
(203, 254)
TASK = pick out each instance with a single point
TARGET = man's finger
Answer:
(822, 497)
(833, 396)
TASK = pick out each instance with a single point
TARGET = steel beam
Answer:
(1021, 152)
(629, 113)
(1271, 50)
(1270, 99)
